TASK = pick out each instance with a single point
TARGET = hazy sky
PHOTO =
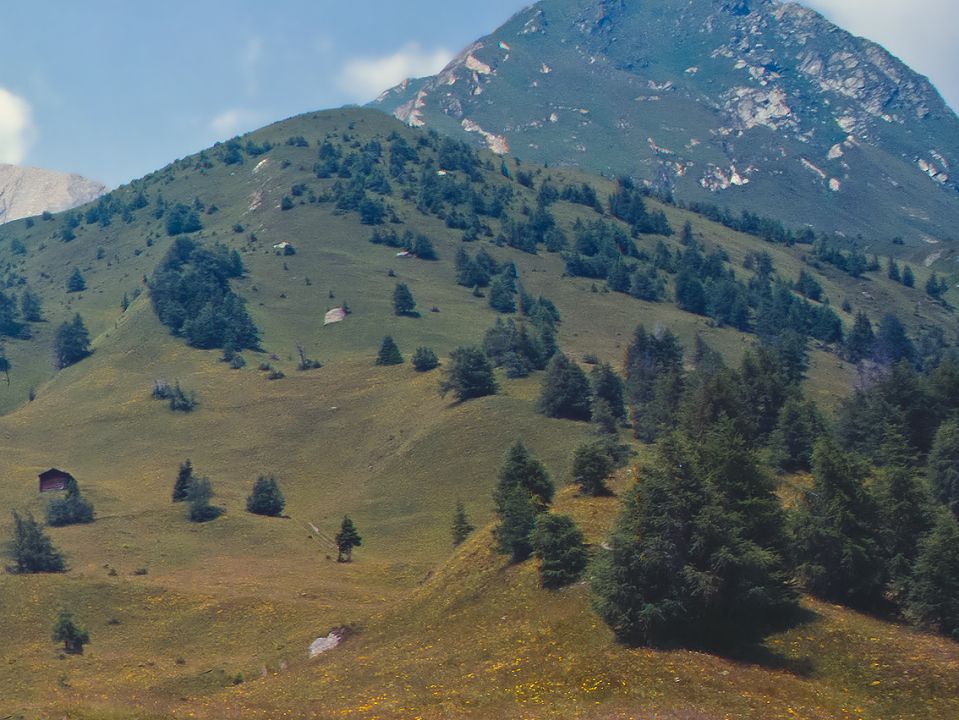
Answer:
(113, 89)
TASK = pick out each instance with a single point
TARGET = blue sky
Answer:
(113, 89)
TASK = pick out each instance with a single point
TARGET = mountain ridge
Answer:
(28, 191)
(760, 104)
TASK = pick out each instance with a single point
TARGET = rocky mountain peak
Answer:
(25, 192)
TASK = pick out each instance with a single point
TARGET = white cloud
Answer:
(230, 122)
(16, 127)
(365, 78)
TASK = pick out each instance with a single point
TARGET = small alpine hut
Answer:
(54, 480)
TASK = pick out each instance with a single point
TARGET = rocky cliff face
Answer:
(29, 191)
(748, 103)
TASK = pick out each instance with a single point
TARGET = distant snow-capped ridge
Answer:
(25, 192)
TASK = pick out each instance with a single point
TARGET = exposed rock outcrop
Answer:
(30, 191)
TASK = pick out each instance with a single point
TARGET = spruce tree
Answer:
(71, 343)
(566, 392)
(522, 470)
(608, 386)
(72, 636)
(892, 343)
(181, 487)
(266, 498)
(908, 278)
(517, 515)
(838, 543)
(347, 539)
(561, 549)
(73, 509)
(403, 302)
(198, 496)
(389, 353)
(468, 375)
(592, 464)
(33, 551)
(906, 513)
(424, 360)
(462, 528)
(798, 427)
(603, 418)
(861, 342)
(944, 466)
(933, 600)
(76, 282)
(679, 571)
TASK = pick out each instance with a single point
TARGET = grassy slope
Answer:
(244, 593)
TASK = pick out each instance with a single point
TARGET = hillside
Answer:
(755, 105)
(180, 612)
(31, 191)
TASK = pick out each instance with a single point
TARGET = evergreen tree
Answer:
(468, 375)
(198, 496)
(70, 634)
(892, 343)
(861, 342)
(561, 549)
(654, 381)
(908, 279)
(944, 465)
(31, 308)
(73, 509)
(462, 528)
(389, 353)
(71, 343)
(906, 512)
(347, 539)
(424, 360)
(603, 418)
(933, 600)
(517, 519)
(76, 282)
(592, 464)
(520, 469)
(266, 498)
(403, 302)
(838, 543)
(678, 570)
(608, 386)
(502, 294)
(892, 270)
(33, 551)
(798, 427)
(181, 488)
(566, 392)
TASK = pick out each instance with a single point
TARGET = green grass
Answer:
(246, 592)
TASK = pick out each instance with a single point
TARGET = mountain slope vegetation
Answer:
(242, 251)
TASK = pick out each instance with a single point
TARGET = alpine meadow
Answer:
(433, 409)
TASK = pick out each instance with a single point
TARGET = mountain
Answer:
(317, 213)
(757, 105)
(25, 192)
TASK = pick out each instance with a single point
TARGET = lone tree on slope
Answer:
(347, 539)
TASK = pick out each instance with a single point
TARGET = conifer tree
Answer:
(798, 427)
(198, 496)
(838, 544)
(33, 551)
(71, 343)
(73, 509)
(603, 418)
(181, 487)
(347, 539)
(944, 465)
(592, 464)
(906, 512)
(608, 386)
(561, 549)
(424, 360)
(517, 515)
(389, 353)
(933, 600)
(861, 342)
(266, 498)
(520, 469)
(908, 278)
(403, 302)
(468, 375)
(76, 282)
(462, 528)
(566, 392)
(679, 571)
(72, 636)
